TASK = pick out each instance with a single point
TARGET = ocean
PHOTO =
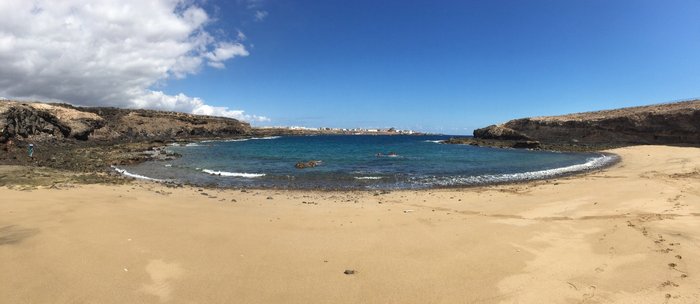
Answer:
(357, 162)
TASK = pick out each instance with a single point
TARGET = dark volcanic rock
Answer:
(92, 139)
(500, 133)
(495, 143)
(23, 120)
(308, 164)
(41, 121)
(673, 123)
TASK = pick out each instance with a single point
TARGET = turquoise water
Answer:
(352, 162)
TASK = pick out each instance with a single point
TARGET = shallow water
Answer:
(352, 162)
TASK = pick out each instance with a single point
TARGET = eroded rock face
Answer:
(149, 124)
(674, 123)
(41, 121)
(45, 121)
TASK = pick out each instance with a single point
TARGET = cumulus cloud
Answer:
(110, 53)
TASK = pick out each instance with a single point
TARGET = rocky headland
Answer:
(89, 139)
(45, 122)
(662, 124)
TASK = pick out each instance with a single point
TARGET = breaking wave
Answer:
(233, 174)
(137, 176)
(240, 139)
(591, 164)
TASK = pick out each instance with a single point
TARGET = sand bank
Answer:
(628, 234)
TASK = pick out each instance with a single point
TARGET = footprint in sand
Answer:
(162, 274)
(601, 268)
(590, 294)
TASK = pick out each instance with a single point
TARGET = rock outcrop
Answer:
(672, 123)
(500, 133)
(42, 121)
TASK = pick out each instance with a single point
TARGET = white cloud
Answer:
(223, 52)
(241, 36)
(109, 53)
(260, 15)
(194, 105)
(251, 4)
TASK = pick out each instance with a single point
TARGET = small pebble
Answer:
(349, 271)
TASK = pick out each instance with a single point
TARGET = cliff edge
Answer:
(47, 121)
(672, 123)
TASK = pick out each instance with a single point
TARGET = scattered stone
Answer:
(269, 197)
(349, 271)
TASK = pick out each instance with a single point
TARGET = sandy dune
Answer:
(628, 234)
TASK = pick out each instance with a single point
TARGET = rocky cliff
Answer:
(43, 121)
(672, 123)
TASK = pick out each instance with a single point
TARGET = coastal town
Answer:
(339, 131)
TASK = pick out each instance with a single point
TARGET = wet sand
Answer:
(627, 234)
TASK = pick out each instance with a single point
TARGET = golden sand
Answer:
(628, 234)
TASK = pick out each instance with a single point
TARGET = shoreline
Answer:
(625, 234)
(99, 155)
(548, 176)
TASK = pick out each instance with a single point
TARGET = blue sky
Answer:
(438, 66)
(452, 66)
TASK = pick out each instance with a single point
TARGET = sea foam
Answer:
(240, 139)
(137, 176)
(233, 174)
(592, 163)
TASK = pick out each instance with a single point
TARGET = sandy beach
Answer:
(626, 234)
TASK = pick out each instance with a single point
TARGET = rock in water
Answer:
(308, 164)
